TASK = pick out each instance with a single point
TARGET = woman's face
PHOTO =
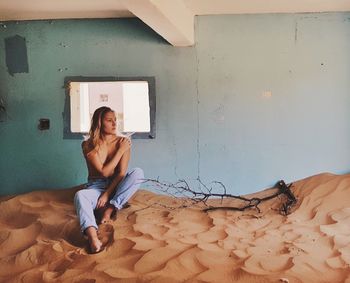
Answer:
(109, 123)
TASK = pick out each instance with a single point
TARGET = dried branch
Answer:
(191, 196)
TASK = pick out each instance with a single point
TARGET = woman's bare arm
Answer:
(110, 190)
(121, 172)
(108, 168)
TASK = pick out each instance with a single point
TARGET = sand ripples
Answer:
(40, 240)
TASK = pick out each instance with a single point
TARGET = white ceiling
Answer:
(172, 19)
(63, 9)
(211, 7)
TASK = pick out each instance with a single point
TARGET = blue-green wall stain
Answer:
(213, 118)
(16, 55)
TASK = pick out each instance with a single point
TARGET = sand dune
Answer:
(40, 239)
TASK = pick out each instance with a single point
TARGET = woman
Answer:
(109, 184)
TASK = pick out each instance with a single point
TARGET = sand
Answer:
(40, 239)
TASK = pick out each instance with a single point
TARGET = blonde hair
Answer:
(95, 133)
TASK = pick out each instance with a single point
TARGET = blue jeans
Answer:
(86, 199)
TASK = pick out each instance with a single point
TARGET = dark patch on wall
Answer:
(16, 55)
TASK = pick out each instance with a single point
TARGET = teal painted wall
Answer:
(212, 118)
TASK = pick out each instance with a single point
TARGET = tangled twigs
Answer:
(291, 199)
(204, 192)
(283, 189)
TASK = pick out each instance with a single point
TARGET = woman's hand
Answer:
(123, 144)
(102, 200)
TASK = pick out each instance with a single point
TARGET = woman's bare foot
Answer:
(94, 242)
(106, 218)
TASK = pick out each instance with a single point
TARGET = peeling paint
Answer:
(309, 17)
(219, 114)
(63, 44)
(176, 157)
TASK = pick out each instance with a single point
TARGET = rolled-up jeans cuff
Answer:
(83, 228)
(115, 204)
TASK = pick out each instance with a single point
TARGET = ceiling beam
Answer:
(169, 18)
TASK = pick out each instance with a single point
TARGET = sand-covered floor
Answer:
(40, 239)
